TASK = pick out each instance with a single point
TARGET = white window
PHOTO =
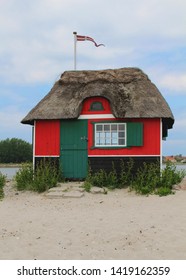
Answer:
(110, 134)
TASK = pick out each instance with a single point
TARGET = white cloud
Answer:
(174, 82)
(10, 117)
(37, 45)
(38, 41)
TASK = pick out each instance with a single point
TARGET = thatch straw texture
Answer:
(129, 90)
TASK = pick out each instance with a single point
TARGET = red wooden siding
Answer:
(151, 140)
(87, 103)
(47, 138)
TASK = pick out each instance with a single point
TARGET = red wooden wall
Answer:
(151, 140)
(47, 138)
(47, 134)
(151, 132)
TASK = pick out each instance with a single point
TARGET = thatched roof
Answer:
(129, 90)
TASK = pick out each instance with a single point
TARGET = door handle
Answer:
(84, 138)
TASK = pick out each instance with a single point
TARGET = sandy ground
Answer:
(118, 225)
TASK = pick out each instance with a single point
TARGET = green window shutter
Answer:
(134, 134)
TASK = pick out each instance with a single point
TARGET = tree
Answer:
(15, 151)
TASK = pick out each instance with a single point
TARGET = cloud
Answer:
(37, 46)
(38, 41)
(174, 82)
(14, 118)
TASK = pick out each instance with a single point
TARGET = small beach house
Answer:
(99, 118)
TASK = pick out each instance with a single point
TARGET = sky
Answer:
(37, 46)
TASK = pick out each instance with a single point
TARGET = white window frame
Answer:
(112, 138)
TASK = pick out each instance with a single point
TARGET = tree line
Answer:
(15, 151)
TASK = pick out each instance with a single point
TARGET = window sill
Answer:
(110, 148)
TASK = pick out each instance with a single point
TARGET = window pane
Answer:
(121, 134)
(121, 141)
(107, 138)
(97, 135)
(114, 138)
(102, 141)
(99, 127)
(97, 141)
(96, 106)
(101, 134)
(113, 127)
(106, 127)
(121, 127)
(114, 141)
(97, 138)
(114, 135)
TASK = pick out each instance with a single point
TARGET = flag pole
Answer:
(75, 41)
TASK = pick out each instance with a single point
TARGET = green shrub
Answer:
(170, 175)
(87, 186)
(163, 191)
(24, 177)
(126, 175)
(147, 178)
(102, 178)
(2, 180)
(2, 183)
(98, 179)
(45, 177)
(112, 180)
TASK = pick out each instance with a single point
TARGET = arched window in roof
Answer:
(96, 106)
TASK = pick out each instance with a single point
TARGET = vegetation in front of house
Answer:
(24, 177)
(111, 179)
(15, 151)
(147, 180)
(2, 183)
(43, 178)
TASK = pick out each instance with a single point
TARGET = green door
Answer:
(73, 155)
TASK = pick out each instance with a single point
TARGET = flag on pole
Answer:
(82, 38)
(86, 38)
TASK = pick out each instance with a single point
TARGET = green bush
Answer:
(163, 191)
(170, 176)
(148, 179)
(126, 175)
(24, 177)
(2, 183)
(87, 186)
(99, 179)
(103, 179)
(45, 177)
(112, 179)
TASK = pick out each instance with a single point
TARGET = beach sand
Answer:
(118, 225)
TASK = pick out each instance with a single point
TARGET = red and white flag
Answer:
(86, 38)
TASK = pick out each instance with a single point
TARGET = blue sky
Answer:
(37, 46)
